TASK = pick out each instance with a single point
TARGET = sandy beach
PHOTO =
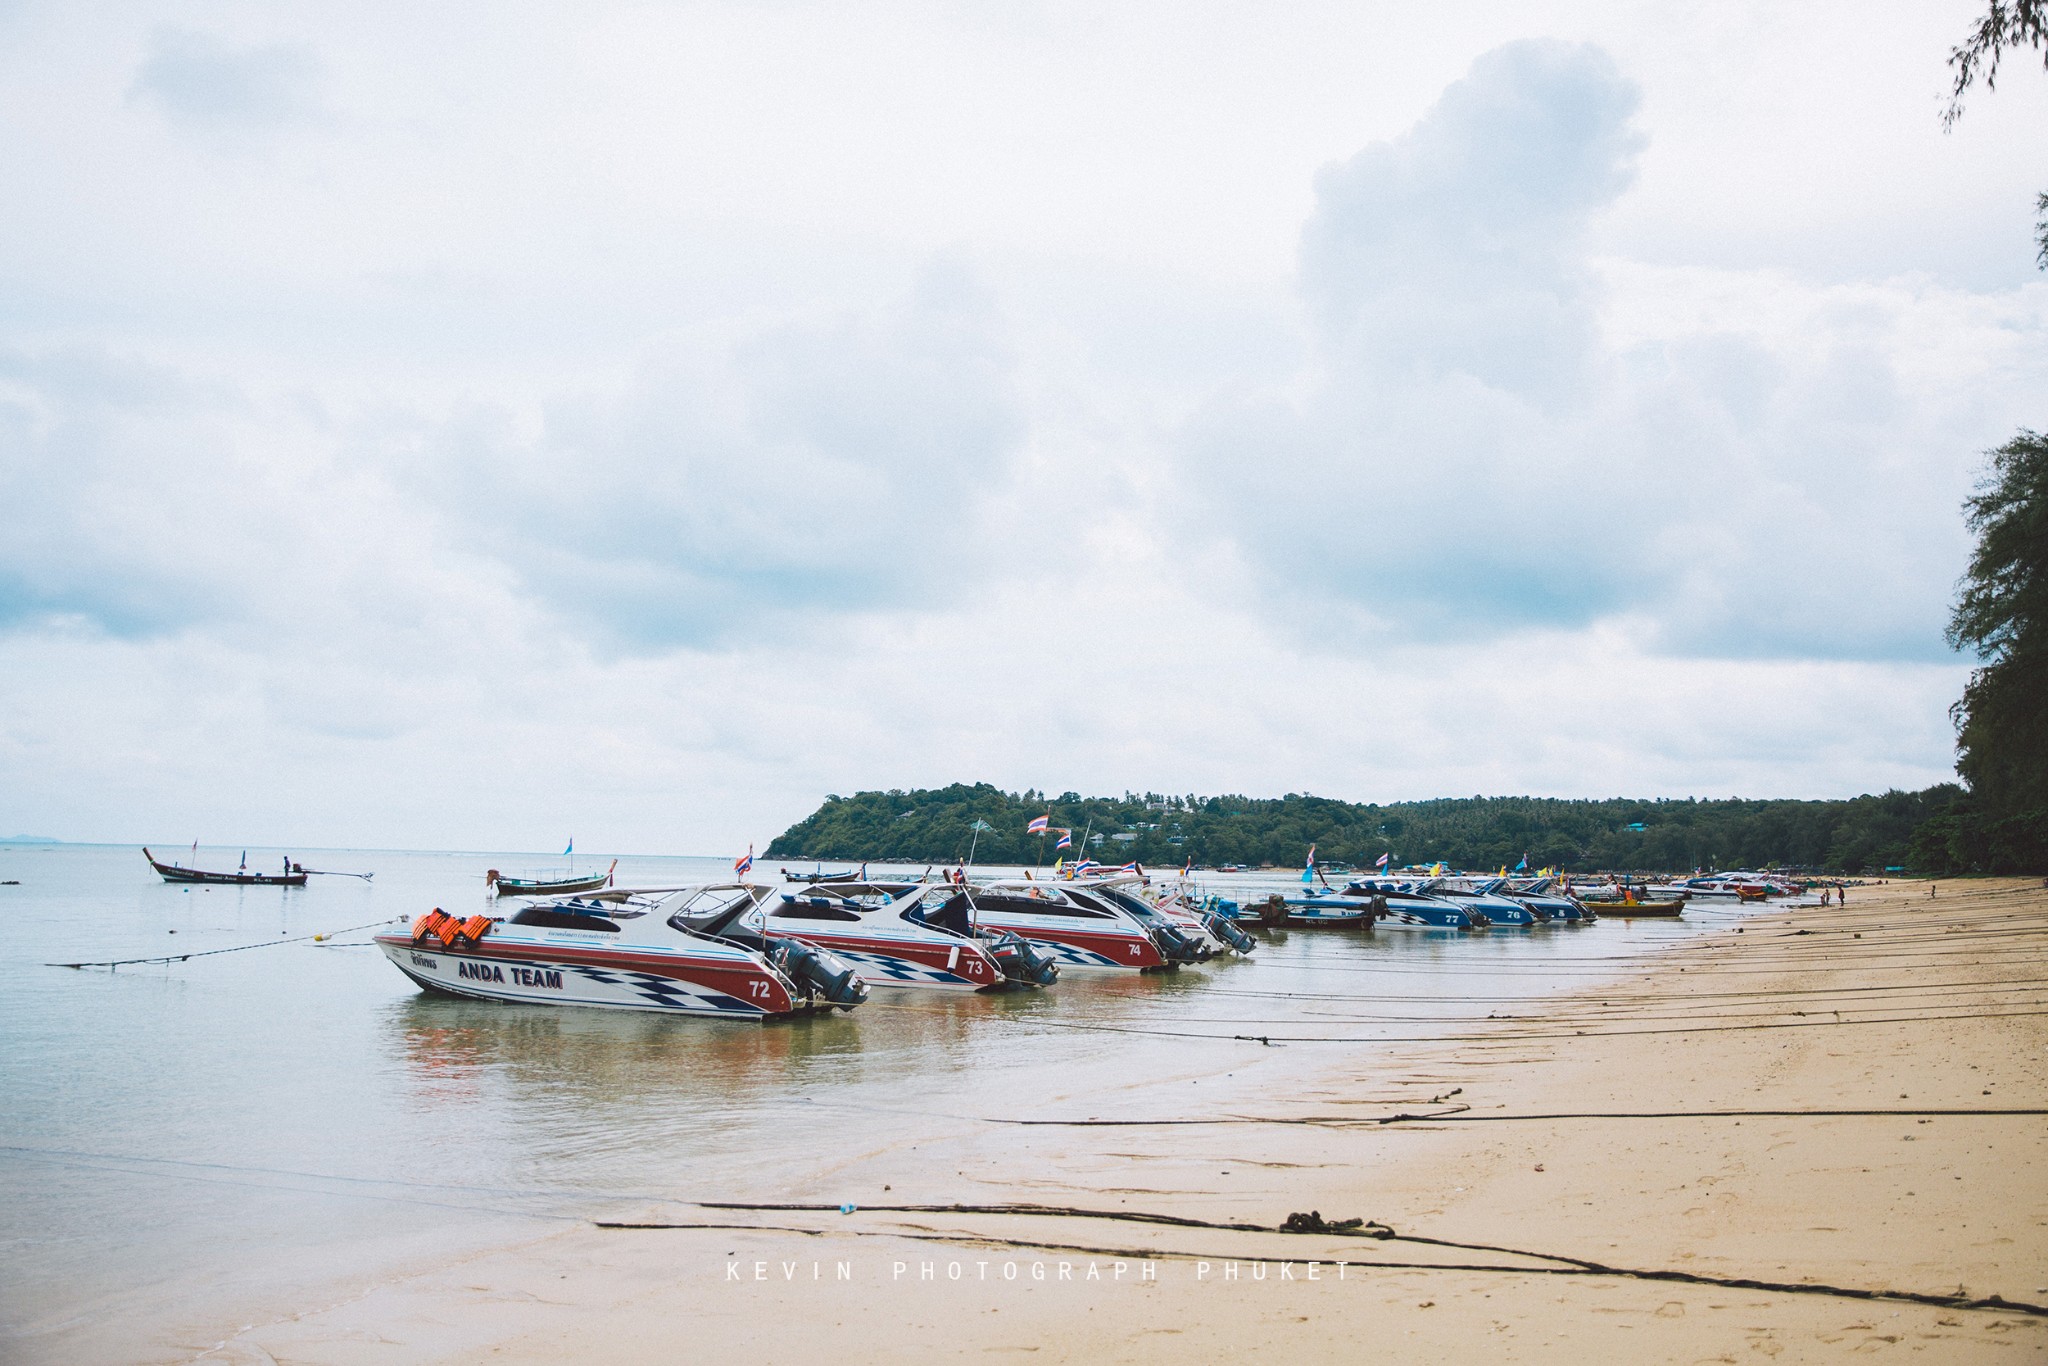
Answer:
(1826, 1103)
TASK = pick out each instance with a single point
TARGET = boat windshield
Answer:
(815, 908)
(709, 910)
(566, 917)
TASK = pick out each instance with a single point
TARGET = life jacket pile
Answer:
(450, 929)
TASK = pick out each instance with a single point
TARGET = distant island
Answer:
(1860, 835)
(30, 839)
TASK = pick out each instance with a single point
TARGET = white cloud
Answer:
(199, 80)
(414, 431)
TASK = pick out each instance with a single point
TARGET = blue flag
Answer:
(572, 847)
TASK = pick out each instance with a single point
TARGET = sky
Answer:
(471, 426)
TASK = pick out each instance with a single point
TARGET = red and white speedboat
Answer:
(1084, 926)
(896, 934)
(685, 951)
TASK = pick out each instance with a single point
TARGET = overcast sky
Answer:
(477, 425)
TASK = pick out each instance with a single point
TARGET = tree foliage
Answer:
(2001, 614)
(1864, 834)
(2008, 25)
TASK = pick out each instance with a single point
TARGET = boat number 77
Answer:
(760, 989)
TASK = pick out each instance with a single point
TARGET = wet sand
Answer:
(1898, 1005)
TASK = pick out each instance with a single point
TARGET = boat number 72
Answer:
(760, 990)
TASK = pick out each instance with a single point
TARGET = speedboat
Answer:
(1177, 907)
(1541, 892)
(1326, 906)
(1484, 896)
(1084, 927)
(1407, 905)
(896, 935)
(680, 950)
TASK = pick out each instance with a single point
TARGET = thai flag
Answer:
(745, 864)
(1038, 824)
(1065, 841)
(1381, 861)
(1130, 868)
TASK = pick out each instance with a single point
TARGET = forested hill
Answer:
(1863, 834)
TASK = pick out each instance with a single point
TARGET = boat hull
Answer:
(512, 886)
(733, 987)
(885, 961)
(201, 877)
(1329, 911)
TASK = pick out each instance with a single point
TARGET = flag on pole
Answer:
(1381, 861)
(1523, 866)
(1308, 871)
(1057, 864)
(744, 864)
(1130, 868)
(572, 847)
(1189, 867)
(980, 824)
(1038, 824)
(1065, 841)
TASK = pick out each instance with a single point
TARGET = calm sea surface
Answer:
(194, 1143)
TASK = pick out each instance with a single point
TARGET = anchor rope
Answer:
(237, 948)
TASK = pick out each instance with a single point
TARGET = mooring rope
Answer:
(238, 948)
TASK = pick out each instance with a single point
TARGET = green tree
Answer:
(2008, 25)
(2001, 614)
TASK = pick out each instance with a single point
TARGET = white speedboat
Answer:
(1541, 892)
(683, 951)
(896, 935)
(1408, 903)
(1085, 927)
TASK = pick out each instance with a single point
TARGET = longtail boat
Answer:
(501, 885)
(171, 872)
(1629, 906)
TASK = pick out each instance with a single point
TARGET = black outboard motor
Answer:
(1228, 933)
(1022, 961)
(827, 975)
(1175, 947)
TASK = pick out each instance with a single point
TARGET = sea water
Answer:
(191, 1146)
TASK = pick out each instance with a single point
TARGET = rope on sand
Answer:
(1312, 1223)
(238, 948)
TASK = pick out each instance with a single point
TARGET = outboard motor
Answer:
(1227, 933)
(818, 970)
(1175, 947)
(1022, 962)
